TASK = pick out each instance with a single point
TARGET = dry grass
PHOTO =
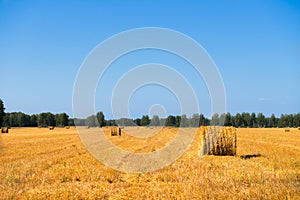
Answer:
(42, 164)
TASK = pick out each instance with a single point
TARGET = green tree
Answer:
(260, 119)
(23, 119)
(246, 119)
(2, 113)
(202, 120)
(238, 120)
(71, 122)
(170, 121)
(272, 121)
(111, 122)
(195, 120)
(155, 121)
(45, 119)
(177, 121)
(101, 119)
(297, 120)
(61, 120)
(184, 121)
(79, 122)
(137, 121)
(145, 121)
(17, 119)
(253, 123)
(215, 119)
(33, 120)
(91, 121)
(125, 122)
(228, 120)
(6, 120)
(162, 122)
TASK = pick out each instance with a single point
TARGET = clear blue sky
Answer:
(255, 44)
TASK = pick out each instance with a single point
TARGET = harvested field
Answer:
(42, 164)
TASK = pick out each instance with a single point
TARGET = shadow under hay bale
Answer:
(115, 131)
(248, 156)
(4, 130)
(219, 141)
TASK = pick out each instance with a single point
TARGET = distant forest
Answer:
(253, 120)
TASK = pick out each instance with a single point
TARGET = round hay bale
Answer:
(51, 127)
(114, 131)
(4, 130)
(219, 141)
(286, 130)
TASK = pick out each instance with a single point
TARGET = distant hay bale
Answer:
(286, 130)
(299, 128)
(67, 127)
(51, 127)
(4, 130)
(219, 141)
(114, 131)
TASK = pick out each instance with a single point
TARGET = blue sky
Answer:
(255, 45)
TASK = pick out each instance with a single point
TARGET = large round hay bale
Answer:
(114, 131)
(4, 130)
(219, 141)
(51, 127)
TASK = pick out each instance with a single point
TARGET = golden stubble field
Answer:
(38, 163)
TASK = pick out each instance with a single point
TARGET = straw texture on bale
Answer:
(4, 130)
(219, 141)
(114, 131)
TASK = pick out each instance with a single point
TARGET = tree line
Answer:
(253, 120)
(19, 119)
(244, 119)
